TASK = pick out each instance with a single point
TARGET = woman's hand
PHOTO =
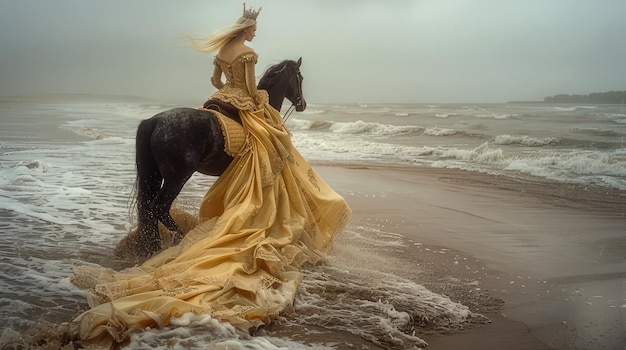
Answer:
(217, 83)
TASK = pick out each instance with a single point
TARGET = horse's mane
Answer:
(273, 72)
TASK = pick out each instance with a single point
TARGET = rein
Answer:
(289, 111)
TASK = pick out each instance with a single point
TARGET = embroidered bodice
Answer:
(240, 88)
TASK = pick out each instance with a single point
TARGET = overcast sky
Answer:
(430, 51)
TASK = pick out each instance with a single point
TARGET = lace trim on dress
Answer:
(236, 97)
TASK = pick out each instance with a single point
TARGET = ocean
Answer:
(575, 144)
(67, 174)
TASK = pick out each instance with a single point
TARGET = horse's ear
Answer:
(299, 62)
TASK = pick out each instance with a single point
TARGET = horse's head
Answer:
(284, 80)
(294, 91)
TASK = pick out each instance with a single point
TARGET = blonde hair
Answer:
(222, 36)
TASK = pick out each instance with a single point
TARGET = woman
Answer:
(237, 61)
(262, 219)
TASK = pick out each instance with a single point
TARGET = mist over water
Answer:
(67, 173)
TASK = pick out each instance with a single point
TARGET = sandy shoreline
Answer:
(543, 261)
(553, 253)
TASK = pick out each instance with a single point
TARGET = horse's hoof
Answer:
(152, 248)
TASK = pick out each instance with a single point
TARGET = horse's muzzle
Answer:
(301, 105)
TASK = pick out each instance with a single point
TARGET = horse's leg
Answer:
(162, 203)
(148, 226)
(180, 141)
(148, 184)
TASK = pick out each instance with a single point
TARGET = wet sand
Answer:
(546, 262)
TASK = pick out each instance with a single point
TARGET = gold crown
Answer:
(250, 13)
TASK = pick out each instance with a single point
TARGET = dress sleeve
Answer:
(216, 78)
(249, 64)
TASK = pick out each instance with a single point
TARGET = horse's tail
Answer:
(148, 181)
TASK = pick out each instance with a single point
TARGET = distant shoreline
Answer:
(562, 103)
(609, 97)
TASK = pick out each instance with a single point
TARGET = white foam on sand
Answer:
(204, 332)
(361, 289)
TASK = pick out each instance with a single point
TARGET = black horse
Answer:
(174, 144)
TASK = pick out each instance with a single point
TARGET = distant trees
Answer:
(612, 97)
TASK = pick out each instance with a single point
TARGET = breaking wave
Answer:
(361, 127)
(525, 141)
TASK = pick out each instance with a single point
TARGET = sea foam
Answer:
(204, 332)
(525, 140)
(378, 129)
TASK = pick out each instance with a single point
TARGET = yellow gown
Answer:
(269, 213)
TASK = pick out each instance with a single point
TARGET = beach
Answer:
(465, 232)
(481, 147)
(552, 253)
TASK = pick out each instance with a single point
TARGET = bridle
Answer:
(299, 97)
